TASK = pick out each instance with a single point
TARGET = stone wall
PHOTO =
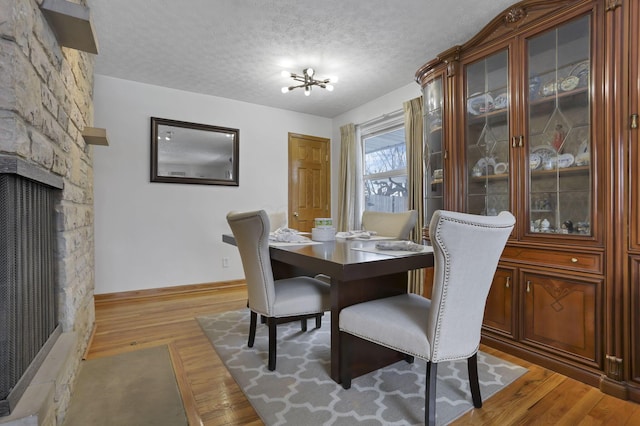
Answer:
(45, 102)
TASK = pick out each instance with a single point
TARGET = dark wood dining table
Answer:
(356, 276)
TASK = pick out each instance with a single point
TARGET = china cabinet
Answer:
(526, 117)
(631, 153)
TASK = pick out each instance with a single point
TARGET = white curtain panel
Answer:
(413, 133)
(349, 184)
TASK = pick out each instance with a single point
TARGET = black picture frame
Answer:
(194, 153)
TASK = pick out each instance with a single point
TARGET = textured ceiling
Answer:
(237, 49)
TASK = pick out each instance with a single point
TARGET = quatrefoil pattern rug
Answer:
(301, 392)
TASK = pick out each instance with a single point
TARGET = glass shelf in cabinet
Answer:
(544, 100)
(563, 171)
(497, 115)
(502, 176)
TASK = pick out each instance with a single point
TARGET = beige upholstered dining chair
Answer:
(447, 327)
(396, 225)
(277, 220)
(277, 301)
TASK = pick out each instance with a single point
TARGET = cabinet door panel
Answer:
(487, 142)
(559, 130)
(634, 135)
(498, 310)
(564, 314)
(635, 319)
(433, 148)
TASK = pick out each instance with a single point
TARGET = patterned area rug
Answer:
(301, 392)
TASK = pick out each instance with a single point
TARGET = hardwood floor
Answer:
(211, 396)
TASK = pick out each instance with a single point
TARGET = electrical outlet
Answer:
(225, 262)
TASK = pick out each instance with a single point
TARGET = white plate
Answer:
(501, 168)
(501, 101)
(480, 103)
(569, 83)
(582, 159)
(546, 153)
(565, 160)
(534, 161)
(486, 165)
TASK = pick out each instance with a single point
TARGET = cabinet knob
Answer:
(520, 143)
(574, 260)
(513, 141)
(528, 286)
(508, 283)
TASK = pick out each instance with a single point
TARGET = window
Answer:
(385, 169)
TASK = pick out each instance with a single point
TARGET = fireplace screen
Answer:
(28, 303)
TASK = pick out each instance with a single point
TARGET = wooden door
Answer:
(563, 315)
(498, 312)
(309, 180)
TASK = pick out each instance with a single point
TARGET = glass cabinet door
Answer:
(433, 154)
(487, 135)
(559, 128)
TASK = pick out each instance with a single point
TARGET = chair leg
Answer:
(430, 394)
(252, 329)
(272, 323)
(474, 382)
(345, 361)
(319, 320)
(303, 324)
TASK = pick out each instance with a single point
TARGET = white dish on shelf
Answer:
(501, 101)
(479, 103)
(501, 168)
(583, 159)
(581, 70)
(534, 161)
(565, 160)
(569, 83)
(546, 152)
(486, 165)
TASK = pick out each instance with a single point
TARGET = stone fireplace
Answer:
(45, 103)
(28, 302)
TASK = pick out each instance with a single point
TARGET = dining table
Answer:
(358, 271)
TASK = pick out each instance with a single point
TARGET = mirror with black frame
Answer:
(183, 152)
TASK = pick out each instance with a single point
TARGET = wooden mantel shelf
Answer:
(95, 136)
(72, 24)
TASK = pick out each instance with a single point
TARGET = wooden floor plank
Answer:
(212, 397)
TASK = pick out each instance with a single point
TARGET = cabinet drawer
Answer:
(576, 261)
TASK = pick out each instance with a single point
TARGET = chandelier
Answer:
(307, 81)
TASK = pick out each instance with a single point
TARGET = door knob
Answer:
(295, 214)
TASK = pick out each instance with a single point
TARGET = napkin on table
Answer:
(287, 235)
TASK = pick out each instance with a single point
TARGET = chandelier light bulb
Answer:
(285, 89)
(329, 87)
(286, 74)
(307, 91)
(310, 72)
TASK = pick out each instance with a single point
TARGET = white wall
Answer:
(153, 235)
(386, 104)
